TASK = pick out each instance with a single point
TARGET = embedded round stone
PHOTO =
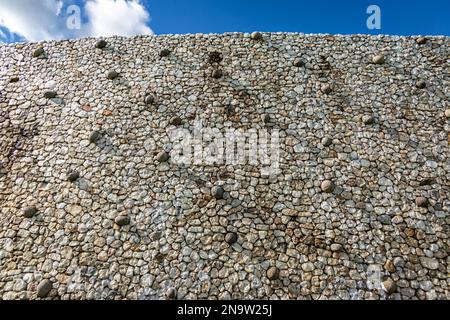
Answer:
(326, 88)
(447, 113)
(100, 44)
(38, 52)
(111, 75)
(426, 181)
(327, 186)
(336, 247)
(422, 202)
(273, 273)
(421, 40)
(368, 119)
(149, 99)
(326, 141)
(171, 293)
(164, 53)
(389, 286)
(95, 136)
(231, 237)
(163, 156)
(266, 117)
(50, 94)
(2, 169)
(216, 74)
(256, 35)
(122, 220)
(14, 79)
(421, 84)
(30, 212)
(44, 287)
(73, 175)
(378, 59)
(217, 192)
(215, 57)
(175, 121)
(298, 62)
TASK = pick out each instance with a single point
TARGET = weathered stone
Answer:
(389, 266)
(447, 113)
(74, 209)
(384, 219)
(100, 44)
(326, 88)
(327, 186)
(336, 247)
(378, 59)
(2, 169)
(326, 141)
(298, 63)
(171, 293)
(256, 35)
(122, 220)
(95, 136)
(420, 235)
(421, 40)
(273, 273)
(164, 53)
(426, 181)
(421, 84)
(307, 267)
(73, 175)
(231, 237)
(162, 156)
(389, 286)
(368, 119)
(111, 75)
(422, 202)
(38, 52)
(429, 263)
(50, 94)
(217, 192)
(30, 212)
(175, 121)
(215, 57)
(150, 99)
(217, 73)
(409, 232)
(44, 287)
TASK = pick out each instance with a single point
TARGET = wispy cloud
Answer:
(36, 20)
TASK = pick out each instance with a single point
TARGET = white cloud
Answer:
(37, 20)
(33, 20)
(120, 17)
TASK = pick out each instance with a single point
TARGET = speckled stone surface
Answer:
(131, 226)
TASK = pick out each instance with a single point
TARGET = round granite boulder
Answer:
(217, 192)
(111, 75)
(100, 44)
(30, 212)
(273, 273)
(231, 237)
(378, 59)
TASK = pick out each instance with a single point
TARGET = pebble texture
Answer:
(135, 225)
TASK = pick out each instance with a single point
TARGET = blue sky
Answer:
(35, 20)
(311, 16)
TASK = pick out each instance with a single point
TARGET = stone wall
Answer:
(93, 204)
